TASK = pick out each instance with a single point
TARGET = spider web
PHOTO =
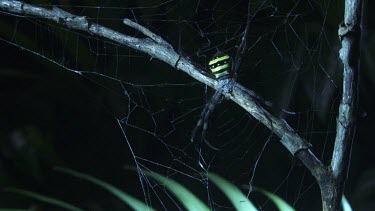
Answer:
(290, 60)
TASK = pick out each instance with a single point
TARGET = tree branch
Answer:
(350, 35)
(158, 48)
(333, 183)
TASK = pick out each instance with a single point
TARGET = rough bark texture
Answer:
(331, 179)
(350, 35)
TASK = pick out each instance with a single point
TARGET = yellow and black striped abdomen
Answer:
(220, 65)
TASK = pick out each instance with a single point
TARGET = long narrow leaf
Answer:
(45, 199)
(279, 202)
(345, 204)
(235, 195)
(126, 198)
(187, 199)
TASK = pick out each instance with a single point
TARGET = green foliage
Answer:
(279, 202)
(345, 204)
(44, 199)
(126, 198)
(236, 197)
(187, 198)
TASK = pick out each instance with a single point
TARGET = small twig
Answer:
(146, 32)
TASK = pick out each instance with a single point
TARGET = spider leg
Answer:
(205, 116)
(211, 107)
(199, 123)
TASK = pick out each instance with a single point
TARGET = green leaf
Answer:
(235, 195)
(43, 198)
(126, 198)
(279, 202)
(345, 204)
(187, 199)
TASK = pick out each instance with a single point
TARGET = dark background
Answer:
(51, 116)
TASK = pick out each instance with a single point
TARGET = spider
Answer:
(220, 66)
(225, 71)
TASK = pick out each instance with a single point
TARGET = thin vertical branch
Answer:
(350, 35)
(332, 185)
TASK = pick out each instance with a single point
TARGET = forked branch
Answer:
(330, 178)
